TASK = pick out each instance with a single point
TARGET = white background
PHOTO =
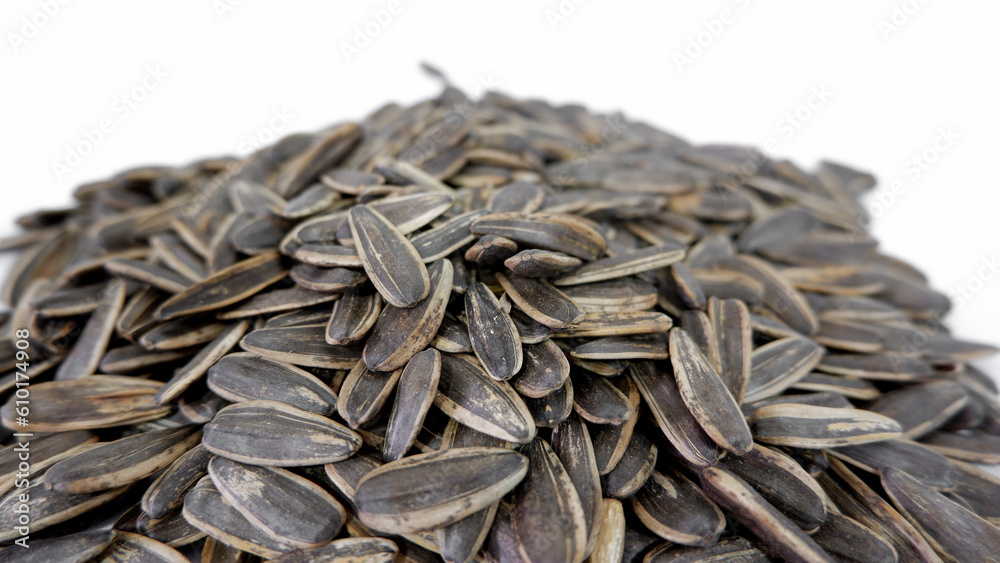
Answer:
(885, 79)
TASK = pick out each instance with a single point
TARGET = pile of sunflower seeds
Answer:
(486, 330)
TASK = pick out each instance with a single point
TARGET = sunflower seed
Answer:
(848, 540)
(954, 531)
(777, 365)
(547, 231)
(271, 433)
(396, 496)
(71, 548)
(350, 182)
(921, 463)
(323, 154)
(779, 295)
(610, 543)
(206, 509)
(85, 356)
(288, 508)
(327, 256)
(48, 506)
(228, 286)
(548, 519)
(314, 199)
(122, 462)
(166, 494)
(649, 258)
(572, 445)
(675, 509)
(730, 550)
(543, 371)
(452, 337)
(364, 393)
(920, 409)
(97, 401)
(783, 483)
(128, 547)
(138, 313)
(533, 263)
(68, 302)
(203, 361)
(243, 377)
(400, 333)
(172, 530)
(160, 278)
(803, 426)
(549, 410)
(541, 301)
(470, 396)
(731, 350)
(490, 250)
(621, 348)
(346, 550)
(598, 401)
(884, 366)
(780, 225)
(461, 541)
(633, 468)
(611, 441)
(327, 280)
(846, 386)
(353, 316)
(617, 324)
(659, 390)
(706, 396)
(442, 240)
(974, 447)
(391, 262)
(133, 358)
(300, 345)
(417, 387)
(773, 528)
(858, 501)
(345, 475)
(181, 333)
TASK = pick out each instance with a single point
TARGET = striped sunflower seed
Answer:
(391, 262)
(706, 395)
(548, 519)
(276, 434)
(288, 508)
(492, 333)
(122, 462)
(803, 426)
(396, 497)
